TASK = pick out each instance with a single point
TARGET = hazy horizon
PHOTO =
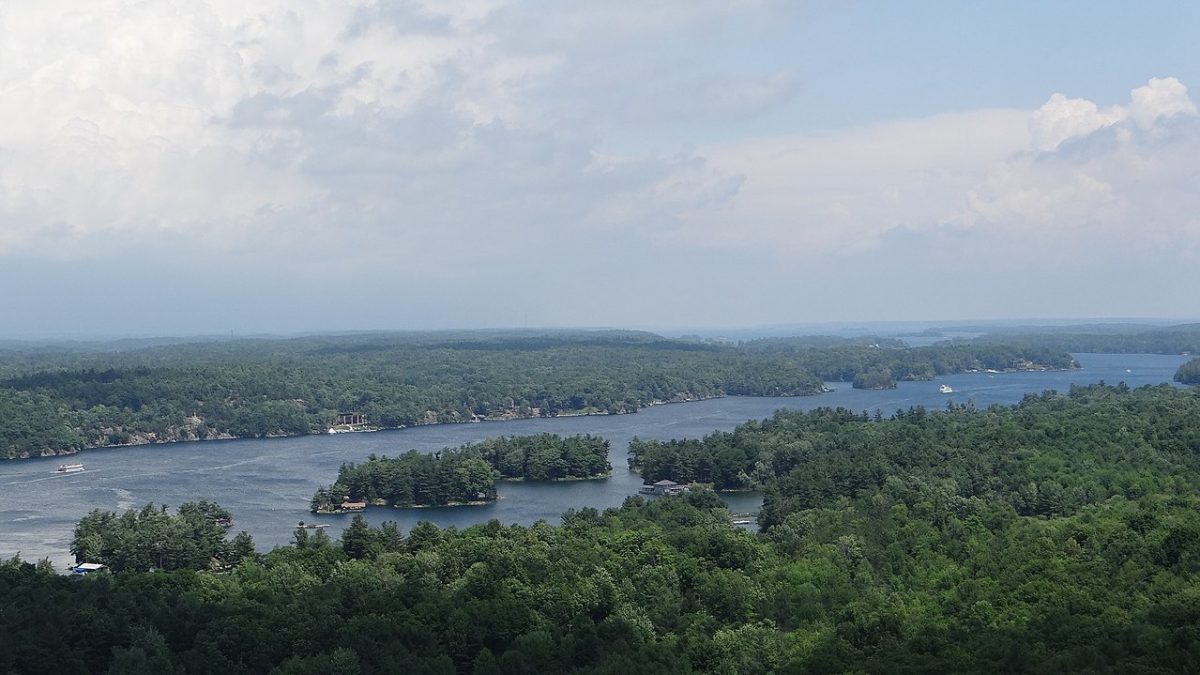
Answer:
(293, 167)
(830, 328)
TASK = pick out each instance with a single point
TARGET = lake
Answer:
(267, 483)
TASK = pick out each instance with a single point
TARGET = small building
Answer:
(88, 568)
(350, 419)
(348, 507)
(664, 487)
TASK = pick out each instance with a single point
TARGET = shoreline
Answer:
(568, 479)
(483, 502)
(477, 420)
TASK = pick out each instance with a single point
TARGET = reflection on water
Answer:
(267, 483)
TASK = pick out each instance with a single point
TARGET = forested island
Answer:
(62, 398)
(1189, 373)
(1060, 535)
(875, 363)
(543, 457)
(874, 379)
(463, 475)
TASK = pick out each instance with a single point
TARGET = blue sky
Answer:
(206, 167)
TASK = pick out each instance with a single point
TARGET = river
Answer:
(267, 483)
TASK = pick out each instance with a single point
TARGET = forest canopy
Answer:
(1189, 373)
(65, 398)
(466, 474)
(1059, 535)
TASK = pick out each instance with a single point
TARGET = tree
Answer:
(241, 549)
(357, 538)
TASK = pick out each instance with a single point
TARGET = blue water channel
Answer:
(267, 483)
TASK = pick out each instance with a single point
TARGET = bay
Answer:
(267, 483)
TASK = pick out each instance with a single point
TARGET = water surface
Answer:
(267, 483)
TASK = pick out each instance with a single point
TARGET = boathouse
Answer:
(350, 419)
(664, 487)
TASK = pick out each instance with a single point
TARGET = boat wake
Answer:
(53, 476)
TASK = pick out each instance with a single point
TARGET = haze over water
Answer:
(267, 483)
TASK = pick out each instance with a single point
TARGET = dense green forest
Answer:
(1059, 535)
(1048, 455)
(152, 539)
(64, 400)
(874, 379)
(1189, 373)
(883, 358)
(451, 476)
(67, 397)
(545, 456)
(1101, 339)
(466, 474)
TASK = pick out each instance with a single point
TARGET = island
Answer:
(462, 476)
(874, 379)
(1189, 373)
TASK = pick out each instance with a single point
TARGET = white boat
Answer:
(946, 389)
(69, 468)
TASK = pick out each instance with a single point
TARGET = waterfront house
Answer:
(88, 568)
(664, 487)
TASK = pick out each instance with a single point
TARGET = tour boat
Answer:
(69, 468)
(945, 389)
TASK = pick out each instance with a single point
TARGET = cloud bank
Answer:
(412, 127)
(1067, 174)
(458, 146)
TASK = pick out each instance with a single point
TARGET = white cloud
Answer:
(1062, 118)
(277, 127)
(1125, 185)
(810, 195)
(462, 141)
(1158, 99)
(1068, 176)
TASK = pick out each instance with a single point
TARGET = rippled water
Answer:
(267, 483)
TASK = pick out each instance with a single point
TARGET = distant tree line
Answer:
(55, 401)
(1184, 338)
(62, 400)
(877, 361)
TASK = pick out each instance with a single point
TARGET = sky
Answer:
(218, 166)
